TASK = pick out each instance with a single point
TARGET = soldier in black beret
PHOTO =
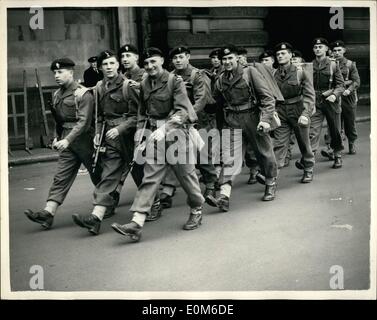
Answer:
(92, 75)
(268, 59)
(237, 89)
(129, 58)
(213, 73)
(165, 109)
(329, 86)
(199, 92)
(117, 104)
(349, 96)
(299, 101)
(72, 110)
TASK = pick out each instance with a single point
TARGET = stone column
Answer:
(127, 26)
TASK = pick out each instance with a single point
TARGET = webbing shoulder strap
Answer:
(78, 93)
(194, 71)
(125, 89)
(332, 68)
(170, 83)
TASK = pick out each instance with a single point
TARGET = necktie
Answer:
(283, 72)
(230, 76)
(153, 83)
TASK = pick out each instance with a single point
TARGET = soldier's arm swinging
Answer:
(199, 91)
(308, 94)
(266, 98)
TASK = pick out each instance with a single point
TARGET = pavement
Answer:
(296, 242)
(20, 157)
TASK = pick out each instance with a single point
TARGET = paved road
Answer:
(288, 244)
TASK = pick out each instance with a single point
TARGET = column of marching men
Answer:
(103, 126)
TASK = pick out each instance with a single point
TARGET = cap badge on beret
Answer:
(283, 46)
(126, 47)
(57, 65)
(318, 41)
(226, 51)
(107, 54)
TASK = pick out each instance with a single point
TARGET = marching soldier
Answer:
(329, 85)
(238, 90)
(92, 75)
(72, 110)
(299, 99)
(166, 109)
(117, 107)
(349, 96)
(129, 57)
(198, 94)
(214, 73)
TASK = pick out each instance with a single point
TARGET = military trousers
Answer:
(114, 162)
(80, 151)
(154, 173)
(234, 149)
(349, 120)
(289, 115)
(332, 113)
(205, 164)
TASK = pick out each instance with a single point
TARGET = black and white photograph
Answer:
(188, 150)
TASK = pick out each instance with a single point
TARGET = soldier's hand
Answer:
(112, 133)
(264, 126)
(96, 140)
(158, 134)
(134, 84)
(331, 98)
(61, 145)
(346, 93)
(53, 144)
(303, 121)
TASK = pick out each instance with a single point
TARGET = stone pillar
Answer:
(127, 26)
(356, 36)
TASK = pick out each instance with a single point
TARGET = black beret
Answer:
(228, 49)
(266, 54)
(105, 55)
(92, 59)
(215, 52)
(62, 63)
(296, 54)
(320, 41)
(151, 52)
(283, 46)
(337, 43)
(178, 50)
(128, 48)
(242, 50)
